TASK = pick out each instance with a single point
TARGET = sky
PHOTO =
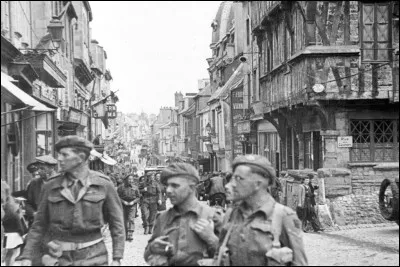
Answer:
(154, 49)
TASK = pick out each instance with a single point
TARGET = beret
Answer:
(32, 167)
(255, 160)
(73, 141)
(180, 170)
(46, 159)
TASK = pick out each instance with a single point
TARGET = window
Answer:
(376, 31)
(374, 140)
(44, 134)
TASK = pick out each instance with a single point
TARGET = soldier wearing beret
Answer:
(257, 230)
(188, 231)
(74, 207)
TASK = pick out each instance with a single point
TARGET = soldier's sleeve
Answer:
(39, 227)
(156, 233)
(292, 237)
(29, 209)
(115, 219)
(159, 192)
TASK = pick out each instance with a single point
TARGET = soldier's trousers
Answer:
(149, 212)
(129, 219)
(311, 216)
(95, 255)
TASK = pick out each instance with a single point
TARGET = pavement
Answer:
(357, 245)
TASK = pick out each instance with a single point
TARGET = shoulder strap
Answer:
(226, 238)
(276, 224)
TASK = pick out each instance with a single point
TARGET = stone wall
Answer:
(355, 209)
(367, 177)
(346, 196)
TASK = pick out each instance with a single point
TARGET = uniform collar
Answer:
(91, 179)
(265, 209)
(196, 209)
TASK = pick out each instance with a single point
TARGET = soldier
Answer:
(73, 209)
(163, 205)
(130, 196)
(45, 167)
(257, 230)
(151, 196)
(217, 191)
(186, 232)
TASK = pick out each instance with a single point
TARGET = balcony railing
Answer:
(260, 10)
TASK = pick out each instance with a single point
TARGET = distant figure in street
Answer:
(163, 188)
(74, 207)
(130, 196)
(306, 203)
(151, 197)
(217, 191)
(187, 232)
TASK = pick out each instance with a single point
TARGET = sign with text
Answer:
(243, 127)
(112, 111)
(345, 141)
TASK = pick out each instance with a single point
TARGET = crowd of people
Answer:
(216, 219)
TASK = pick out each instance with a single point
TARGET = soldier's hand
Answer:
(26, 263)
(160, 245)
(205, 229)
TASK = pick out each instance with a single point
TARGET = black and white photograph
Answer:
(199, 133)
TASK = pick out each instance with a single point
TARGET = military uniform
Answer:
(252, 235)
(188, 246)
(270, 227)
(72, 213)
(129, 193)
(151, 194)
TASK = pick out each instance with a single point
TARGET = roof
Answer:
(234, 81)
(223, 20)
(206, 91)
(204, 110)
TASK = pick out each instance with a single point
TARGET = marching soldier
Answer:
(151, 196)
(74, 206)
(130, 196)
(185, 233)
(257, 230)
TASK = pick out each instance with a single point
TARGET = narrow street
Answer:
(368, 245)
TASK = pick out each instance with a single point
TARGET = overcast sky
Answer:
(154, 49)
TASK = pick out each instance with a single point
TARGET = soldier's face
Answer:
(242, 184)
(178, 190)
(130, 180)
(69, 159)
(306, 181)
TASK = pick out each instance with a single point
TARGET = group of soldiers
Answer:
(77, 202)
(146, 191)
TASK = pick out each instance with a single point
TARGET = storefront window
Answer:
(44, 134)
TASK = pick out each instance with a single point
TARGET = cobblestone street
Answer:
(370, 245)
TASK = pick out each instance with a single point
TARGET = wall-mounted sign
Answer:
(75, 116)
(243, 127)
(345, 141)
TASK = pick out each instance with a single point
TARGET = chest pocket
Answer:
(92, 206)
(261, 238)
(60, 210)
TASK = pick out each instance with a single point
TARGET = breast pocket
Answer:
(60, 211)
(92, 209)
(260, 238)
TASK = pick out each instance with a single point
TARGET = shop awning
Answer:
(16, 95)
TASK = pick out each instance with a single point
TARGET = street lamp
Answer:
(55, 29)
